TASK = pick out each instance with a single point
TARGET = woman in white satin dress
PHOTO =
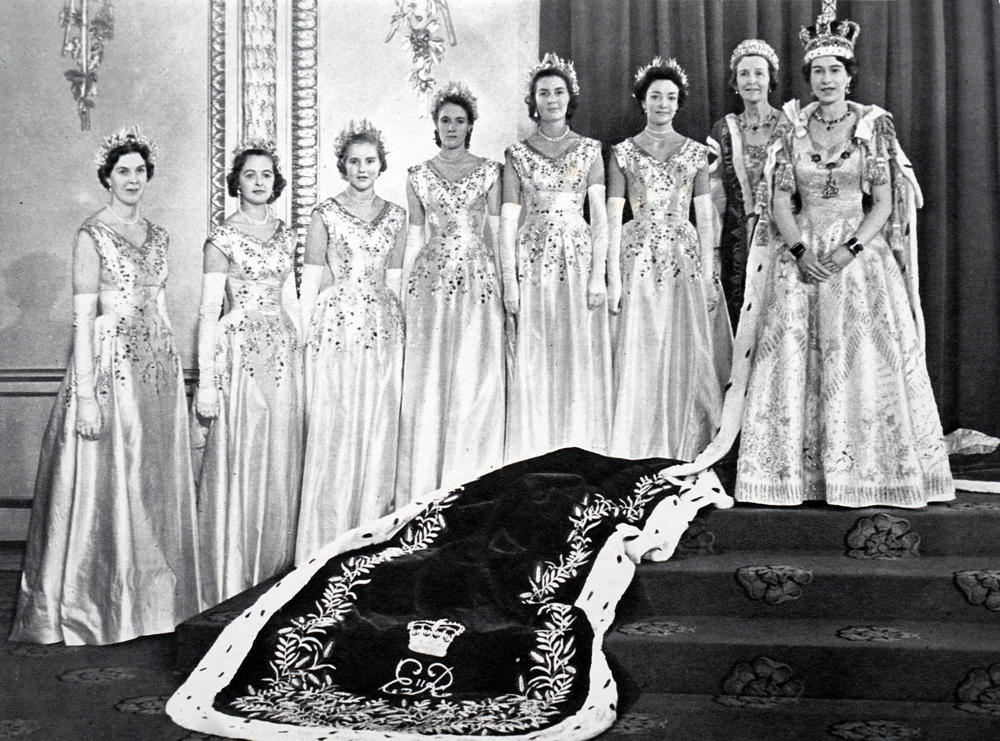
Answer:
(454, 385)
(354, 348)
(554, 277)
(250, 391)
(111, 547)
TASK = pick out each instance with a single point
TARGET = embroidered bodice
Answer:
(257, 269)
(357, 250)
(554, 186)
(130, 276)
(661, 190)
(454, 206)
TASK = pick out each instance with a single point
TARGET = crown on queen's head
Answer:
(353, 128)
(829, 37)
(555, 63)
(664, 64)
(457, 90)
(754, 48)
(124, 136)
(433, 637)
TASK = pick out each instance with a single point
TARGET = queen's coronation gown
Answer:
(248, 494)
(454, 376)
(559, 391)
(111, 551)
(671, 341)
(839, 406)
(354, 355)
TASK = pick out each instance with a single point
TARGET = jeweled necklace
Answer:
(255, 222)
(554, 138)
(123, 220)
(658, 135)
(828, 122)
(745, 124)
(830, 188)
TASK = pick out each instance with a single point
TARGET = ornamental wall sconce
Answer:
(84, 34)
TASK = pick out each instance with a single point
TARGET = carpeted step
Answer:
(898, 660)
(675, 717)
(968, 526)
(769, 584)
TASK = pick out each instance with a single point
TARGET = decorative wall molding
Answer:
(305, 116)
(217, 112)
(259, 61)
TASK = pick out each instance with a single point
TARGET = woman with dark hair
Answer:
(354, 347)
(830, 353)
(250, 389)
(451, 428)
(739, 142)
(672, 343)
(111, 551)
(554, 276)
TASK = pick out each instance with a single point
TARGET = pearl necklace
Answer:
(360, 201)
(554, 138)
(658, 135)
(267, 217)
(453, 160)
(830, 123)
(123, 220)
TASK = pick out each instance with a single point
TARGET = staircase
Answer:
(816, 623)
(799, 624)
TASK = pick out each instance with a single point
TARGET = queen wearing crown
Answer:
(830, 350)
(671, 340)
(454, 385)
(740, 142)
(354, 347)
(111, 552)
(554, 276)
(250, 389)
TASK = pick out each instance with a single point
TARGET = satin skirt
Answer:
(454, 388)
(560, 377)
(111, 547)
(672, 348)
(251, 475)
(352, 418)
(839, 405)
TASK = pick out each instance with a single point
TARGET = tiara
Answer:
(457, 90)
(661, 63)
(353, 128)
(556, 63)
(829, 38)
(433, 637)
(266, 145)
(754, 48)
(123, 136)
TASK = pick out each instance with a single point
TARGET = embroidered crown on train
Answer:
(364, 126)
(433, 637)
(554, 62)
(665, 64)
(456, 90)
(829, 37)
(754, 48)
(123, 136)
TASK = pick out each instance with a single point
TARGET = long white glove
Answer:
(415, 240)
(161, 307)
(213, 286)
(312, 276)
(705, 214)
(597, 292)
(290, 303)
(88, 413)
(616, 208)
(510, 213)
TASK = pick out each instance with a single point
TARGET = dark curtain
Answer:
(932, 63)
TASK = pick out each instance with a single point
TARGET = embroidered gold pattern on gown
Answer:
(839, 405)
(248, 494)
(354, 355)
(559, 392)
(453, 378)
(111, 546)
(671, 347)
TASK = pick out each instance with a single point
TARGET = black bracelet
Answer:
(798, 250)
(854, 246)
